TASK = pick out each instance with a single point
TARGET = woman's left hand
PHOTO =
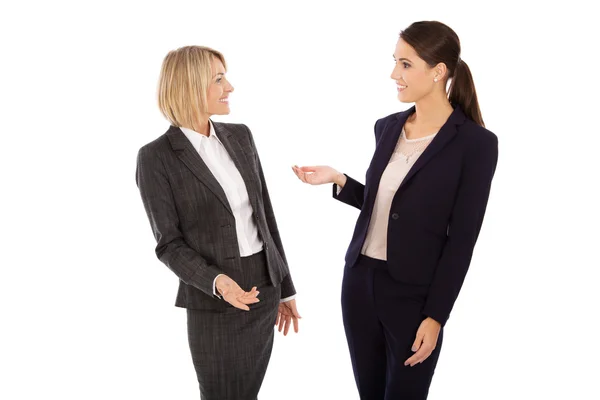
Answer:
(425, 342)
(287, 314)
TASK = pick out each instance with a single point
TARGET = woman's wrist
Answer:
(340, 179)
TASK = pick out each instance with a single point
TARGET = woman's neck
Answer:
(432, 111)
(202, 125)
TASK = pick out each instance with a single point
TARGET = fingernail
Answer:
(413, 348)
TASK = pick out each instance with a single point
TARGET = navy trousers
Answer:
(381, 318)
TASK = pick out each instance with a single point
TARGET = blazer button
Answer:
(395, 216)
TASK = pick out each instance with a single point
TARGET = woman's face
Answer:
(414, 78)
(218, 90)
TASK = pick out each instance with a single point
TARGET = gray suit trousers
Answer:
(230, 347)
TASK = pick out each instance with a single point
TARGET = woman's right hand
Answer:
(319, 175)
(234, 294)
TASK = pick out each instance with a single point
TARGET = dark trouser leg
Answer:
(399, 307)
(364, 332)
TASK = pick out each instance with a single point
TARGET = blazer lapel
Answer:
(384, 148)
(387, 143)
(238, 154)
(443, 137)
(190, 157)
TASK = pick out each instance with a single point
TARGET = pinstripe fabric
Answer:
(231, 349)
(194, 228)
(192, 220)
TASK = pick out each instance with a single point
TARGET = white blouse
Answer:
(407, 151)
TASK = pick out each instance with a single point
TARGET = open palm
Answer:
(315, 175)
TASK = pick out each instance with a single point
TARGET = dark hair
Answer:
(437, 43)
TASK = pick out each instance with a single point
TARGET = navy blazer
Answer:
(437, 212)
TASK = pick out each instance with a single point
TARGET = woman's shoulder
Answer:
(477, 141)
(475, 133)
(161, 143)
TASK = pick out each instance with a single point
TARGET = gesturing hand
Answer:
(318, 175)
(287, 313)
(234, 294)
(425, 342)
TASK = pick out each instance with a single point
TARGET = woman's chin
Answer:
(403, 98)
(223, 110)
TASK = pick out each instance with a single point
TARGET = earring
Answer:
(435, 79)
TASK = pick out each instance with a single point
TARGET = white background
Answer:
(86, 308)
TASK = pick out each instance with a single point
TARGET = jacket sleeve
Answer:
(171, 248)
(353, 192)
(479, 166)
(287, 285)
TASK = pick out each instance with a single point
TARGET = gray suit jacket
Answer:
(192, 220)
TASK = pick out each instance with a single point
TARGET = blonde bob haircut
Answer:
(185, 76)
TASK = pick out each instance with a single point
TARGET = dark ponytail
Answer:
(462, 92)
(437, 43)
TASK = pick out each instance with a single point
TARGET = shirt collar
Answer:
(197, 139)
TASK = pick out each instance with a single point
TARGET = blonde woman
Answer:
(205, 195)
